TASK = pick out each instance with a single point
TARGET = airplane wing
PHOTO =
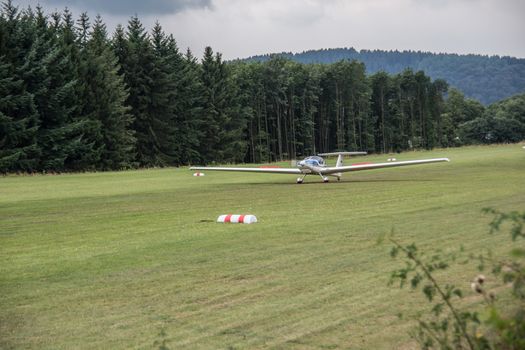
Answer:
(343, 169)
(252, 170)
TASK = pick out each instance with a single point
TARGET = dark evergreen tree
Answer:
(222, 125)
(247, 97)
(438, 89)
(302, 98)
(18, 115)
(140, 67)
(275, 86)
(408, 103)
(189, 107)
(66, 137)
(209, 147)
(163, 101)
(344, 106)
(381, 96)
(18, 124)
(236, 115)
(120, 48)
(103, 99)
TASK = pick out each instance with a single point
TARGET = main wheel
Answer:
(325, 179)
(299, 180)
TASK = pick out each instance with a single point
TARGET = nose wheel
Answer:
(300, 179)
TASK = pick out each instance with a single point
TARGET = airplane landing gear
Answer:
(325, 179)
(299, 180)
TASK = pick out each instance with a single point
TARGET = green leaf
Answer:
(429, 291)
(415, 280)
(437, 309)
(458, 292)
(394, 251)
(518, 252)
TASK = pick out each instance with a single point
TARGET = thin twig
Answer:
(439, 290)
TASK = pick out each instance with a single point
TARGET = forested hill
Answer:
(484, 78)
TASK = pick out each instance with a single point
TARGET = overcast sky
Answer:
(241, 28)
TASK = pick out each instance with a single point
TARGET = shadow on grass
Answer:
(342, 182)
(161, 343)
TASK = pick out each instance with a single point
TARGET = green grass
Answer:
(132, 259)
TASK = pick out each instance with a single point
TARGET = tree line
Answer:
(484, 78)
(74, 98)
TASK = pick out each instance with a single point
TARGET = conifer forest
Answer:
(74, 97)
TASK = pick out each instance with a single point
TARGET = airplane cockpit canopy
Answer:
(314, 161)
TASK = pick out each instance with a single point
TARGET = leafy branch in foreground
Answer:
(450, 326)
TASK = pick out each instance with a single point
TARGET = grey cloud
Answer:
(240, 28)
(131, 7)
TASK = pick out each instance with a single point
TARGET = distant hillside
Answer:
(484, 78)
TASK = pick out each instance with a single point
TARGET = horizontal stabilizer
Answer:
(342, 154)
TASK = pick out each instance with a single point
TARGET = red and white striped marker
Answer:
(237, 219)
(198, 174)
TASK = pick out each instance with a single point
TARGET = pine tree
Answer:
(163, 109)
(275, 85)
(223, 121)
(437, 106)
(408, 96)
(235, 117)
(137, 59)
(246, 83)
(210, 148)
(185, 102)
(18, 124)
(66, 137)
(189, 115)
(9, 23)
(380, 109)
(103, 99)
(119, 46)
(18, 115)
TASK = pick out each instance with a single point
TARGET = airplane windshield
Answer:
(314, 161)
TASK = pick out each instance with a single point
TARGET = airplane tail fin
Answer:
(339, 162)
(340, 156)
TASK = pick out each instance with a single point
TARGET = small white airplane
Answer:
(316, 165)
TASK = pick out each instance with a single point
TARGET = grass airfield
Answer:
(134, 259)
